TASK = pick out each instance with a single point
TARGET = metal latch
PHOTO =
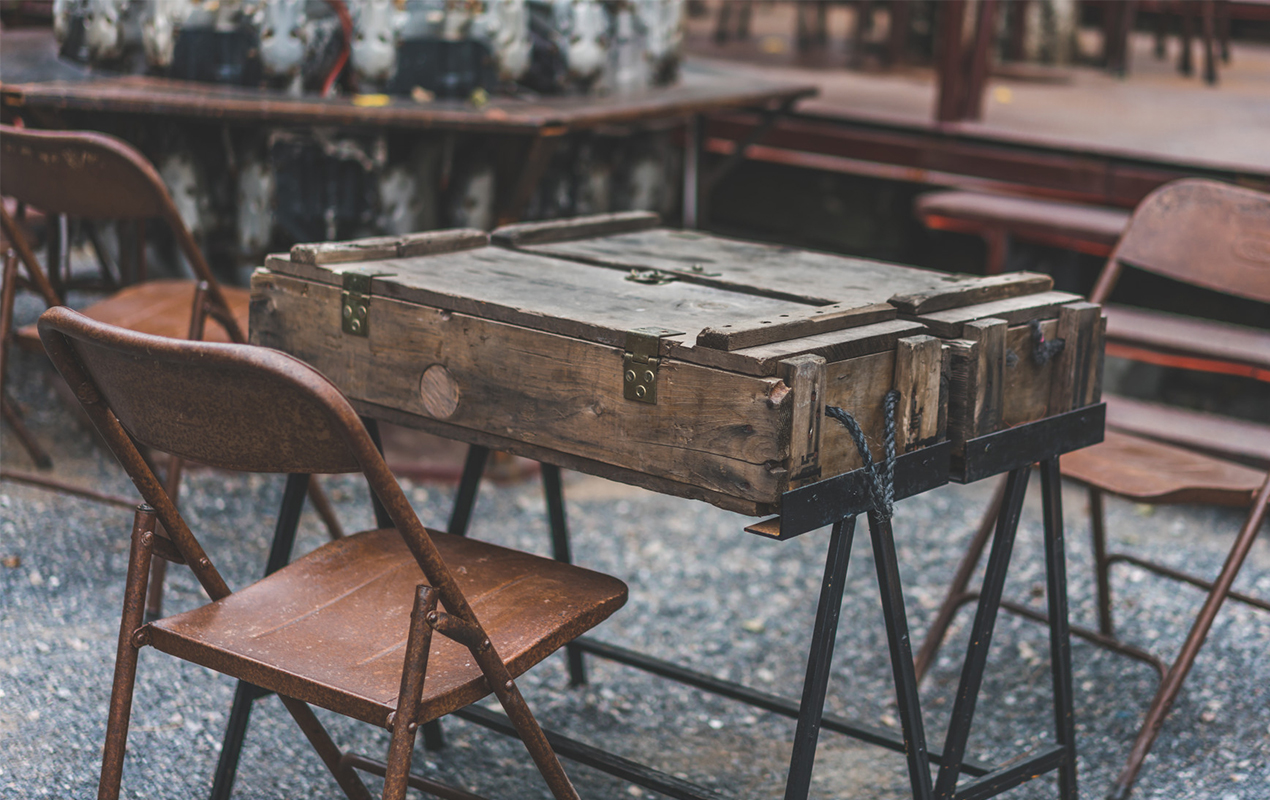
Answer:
(355, 304)
(641, 362)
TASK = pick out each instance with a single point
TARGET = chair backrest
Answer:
(1199, 232)
(80, 174)
(227, 405)
(93, 176)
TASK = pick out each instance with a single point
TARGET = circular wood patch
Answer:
(439, 392)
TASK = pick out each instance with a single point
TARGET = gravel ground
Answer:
(702, 592)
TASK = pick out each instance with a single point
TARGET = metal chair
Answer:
(369, 654)
(1217, 237)
(91, 176)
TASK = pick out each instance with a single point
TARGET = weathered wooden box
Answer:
(1015, 351)
(682, 362)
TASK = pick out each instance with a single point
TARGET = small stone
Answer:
(35, 578)
(715, 724)
(12, 562)
(754, 625)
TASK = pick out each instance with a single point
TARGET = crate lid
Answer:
(731, 326)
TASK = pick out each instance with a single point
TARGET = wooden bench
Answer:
(999, 218)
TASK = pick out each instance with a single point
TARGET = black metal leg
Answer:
(473, 468)
(1060, 634)
(553, 489)
(819, 659)
(906, 698)
(245, 693)
(382, 520)
(981, 634)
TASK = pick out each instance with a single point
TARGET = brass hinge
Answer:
(355, 304)
(641, 363)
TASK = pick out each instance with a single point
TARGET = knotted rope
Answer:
(881, 484)
(1042, 350)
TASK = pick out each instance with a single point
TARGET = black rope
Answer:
(1042, 350)
(882, 474)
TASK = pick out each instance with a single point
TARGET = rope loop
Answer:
(881, 484)
(1043, 350)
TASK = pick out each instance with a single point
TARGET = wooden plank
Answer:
(1027, 382)
(725, 433)
(856, 386)
(551, 295)
(377, 248)
(836, 346)
(959, 294)
(1072, 371)
(988, 401)
(526, 234)
(1014, 310)
(772, 270)
(804, 322)
(918, 363)
(805, 377)
(961, 364)
(566, 460)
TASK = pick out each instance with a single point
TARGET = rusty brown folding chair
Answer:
(1217, 237)
(349, 626)
(91, 176)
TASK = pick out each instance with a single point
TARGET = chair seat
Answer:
(331, 627)
(159, 308)
(1150, 471)
(1221, 436)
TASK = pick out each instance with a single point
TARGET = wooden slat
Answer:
(988, 401)
(772, 270)
(961, 364)
(836, 346)
(563, 230)
(1187, 335)
(377, 248)
(546, 294)
(961, 293)
(1014, 310)
(918, 363)
(1027, 383)
(856, 386)
(1079, 326)
(1225, 436)
(723, 432)
(804, 322)
(805, 377)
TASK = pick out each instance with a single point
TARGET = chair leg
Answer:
(1102, 565)
(527, 728)
(957, 595)
(126, 655)
(326, 749)
(404, 723)
(1172, 683)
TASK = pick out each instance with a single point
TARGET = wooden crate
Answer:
(532, 354)
(1000, 367)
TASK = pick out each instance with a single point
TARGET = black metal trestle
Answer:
(984, 782)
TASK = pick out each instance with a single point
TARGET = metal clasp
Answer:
(355, 304)
(641, 363)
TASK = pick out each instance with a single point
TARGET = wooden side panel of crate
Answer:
(721, 431)
(996, 379)
(859, 385)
